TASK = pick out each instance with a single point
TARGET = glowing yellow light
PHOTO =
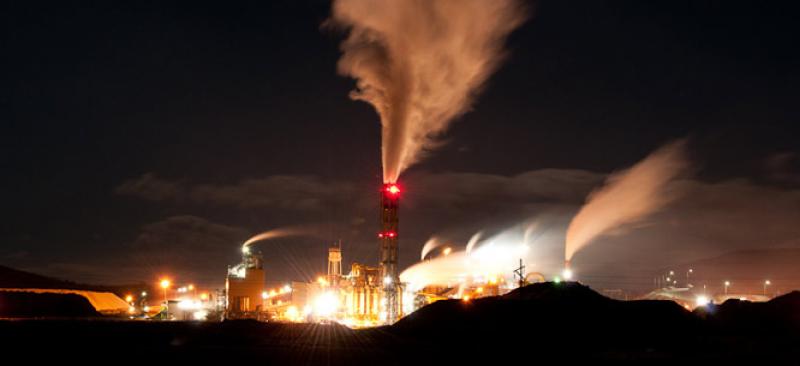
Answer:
(447, 251)
(479, 290)
(264, 295)
(128, 298)
(465, 298)
(204, 296)
(165, 283)
(292, 313)
(191, 287)
(326, 304)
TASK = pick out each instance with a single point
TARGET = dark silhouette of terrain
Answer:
(542, 323)
(33, 305)
(14, 278)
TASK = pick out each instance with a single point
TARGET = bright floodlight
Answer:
(292, 313)
(567, 274)
(246, 249)
(326, 304)
(165, 283)
(188, 305)
(702, 300)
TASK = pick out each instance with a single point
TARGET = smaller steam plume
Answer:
(318, 230)
(431, 244)
(272, 234)
(628, 196)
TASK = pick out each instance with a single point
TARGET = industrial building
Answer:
(244, 285)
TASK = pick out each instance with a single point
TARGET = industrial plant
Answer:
(368, 295)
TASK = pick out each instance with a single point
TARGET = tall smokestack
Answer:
(390, 199)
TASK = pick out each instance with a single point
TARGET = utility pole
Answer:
(520, 271)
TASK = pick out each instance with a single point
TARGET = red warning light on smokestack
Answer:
(391, 189)
(387, 234)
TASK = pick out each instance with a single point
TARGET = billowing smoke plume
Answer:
(628, 196)
(420, 63)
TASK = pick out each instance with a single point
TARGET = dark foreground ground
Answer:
(564, 323)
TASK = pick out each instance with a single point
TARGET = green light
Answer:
(557, 279)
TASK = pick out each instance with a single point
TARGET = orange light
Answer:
(204, 296)
(191, 287)
(128, 298)
(465, 298)
(165, 283)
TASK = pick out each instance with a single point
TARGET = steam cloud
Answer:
(628, 196)
(314, 230)
(420, 63)
(272, 234)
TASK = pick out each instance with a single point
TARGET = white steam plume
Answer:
(420, 63)
(431, 244)
(314, 230)
(628, 196)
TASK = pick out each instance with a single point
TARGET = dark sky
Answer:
(153, 137)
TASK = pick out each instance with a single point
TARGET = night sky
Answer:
(154, 137)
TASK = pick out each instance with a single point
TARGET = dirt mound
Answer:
(33, 305)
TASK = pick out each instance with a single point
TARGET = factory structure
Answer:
(368, 295)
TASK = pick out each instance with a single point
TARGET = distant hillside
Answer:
(14, 278)
(32, 305)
